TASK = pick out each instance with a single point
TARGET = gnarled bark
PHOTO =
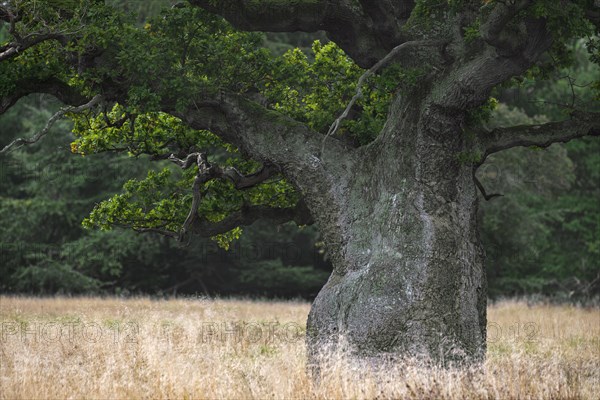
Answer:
(410, 281)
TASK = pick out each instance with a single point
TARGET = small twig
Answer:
(366, 75)
(58, 115)
(486, 196)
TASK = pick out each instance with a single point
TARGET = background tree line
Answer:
(541, 236)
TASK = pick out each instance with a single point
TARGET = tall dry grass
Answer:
(232, 349)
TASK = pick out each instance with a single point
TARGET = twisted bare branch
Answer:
(58, 115)
(206, 172)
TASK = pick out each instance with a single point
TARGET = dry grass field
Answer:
(231, 349)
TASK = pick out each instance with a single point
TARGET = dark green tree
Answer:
(46, 191)
(543, 235)
(44, 195)
(382, 160)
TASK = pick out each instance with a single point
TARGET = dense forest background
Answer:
(542, 236)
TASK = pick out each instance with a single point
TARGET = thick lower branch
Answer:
(265, 135)
(270, 137)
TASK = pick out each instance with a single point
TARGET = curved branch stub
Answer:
(202, 176)
(486, 196)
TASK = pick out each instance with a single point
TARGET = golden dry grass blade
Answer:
(234, 349)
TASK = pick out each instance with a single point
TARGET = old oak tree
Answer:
(375, 137)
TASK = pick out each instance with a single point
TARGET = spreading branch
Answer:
(543, 135)
(58, 115)
(14, 48)
(21, 43)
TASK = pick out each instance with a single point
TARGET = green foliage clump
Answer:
(162, 199)
(317, 92)
(483, 113)
(471, 31)
(182, 51)
(152, 133)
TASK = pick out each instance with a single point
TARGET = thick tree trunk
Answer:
(409, 279)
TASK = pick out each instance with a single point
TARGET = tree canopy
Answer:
(135, 87)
